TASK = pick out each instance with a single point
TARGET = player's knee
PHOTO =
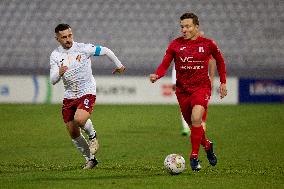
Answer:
(196, 120)
(79, 121)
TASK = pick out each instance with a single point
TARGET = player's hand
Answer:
(153, 78)
(223, 90)
(119, 70)
(62, 70)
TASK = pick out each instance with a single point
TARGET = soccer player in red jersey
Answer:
(191, 54)
(185, 128)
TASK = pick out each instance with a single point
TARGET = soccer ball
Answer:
(174, 164)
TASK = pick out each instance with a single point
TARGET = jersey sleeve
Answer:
(166, 62)
(220, 63)
(106, 51)
(97, 50)
(93, 50)
(54, 70)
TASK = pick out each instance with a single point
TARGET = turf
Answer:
(36, 151)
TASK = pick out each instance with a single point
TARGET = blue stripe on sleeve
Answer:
(98, 51)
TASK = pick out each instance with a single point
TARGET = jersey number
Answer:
(86, 102)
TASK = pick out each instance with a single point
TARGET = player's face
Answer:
(188, 29)
(65, 38)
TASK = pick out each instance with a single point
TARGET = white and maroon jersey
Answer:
(78, 79)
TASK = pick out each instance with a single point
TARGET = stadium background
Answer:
(249, 33)
(36, 151)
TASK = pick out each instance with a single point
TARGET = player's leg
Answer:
(93, 141)
(199, 103)
(186, 109)
(79, 140)
(204, 117)
(68, 113)
(207, 144)
(82, 116)
(204, 142)
(196, 135)
(88, 128)
(185, 128)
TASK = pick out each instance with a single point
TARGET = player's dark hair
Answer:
(61, 27)
(190, 15)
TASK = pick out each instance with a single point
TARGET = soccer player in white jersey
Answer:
(71, 62)
(185, 128)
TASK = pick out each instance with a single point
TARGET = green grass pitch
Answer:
(36, 152)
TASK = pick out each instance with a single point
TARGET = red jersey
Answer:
(191, 59)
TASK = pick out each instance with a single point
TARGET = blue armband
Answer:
(98, 51)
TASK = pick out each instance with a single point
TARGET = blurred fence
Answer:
(249, 32)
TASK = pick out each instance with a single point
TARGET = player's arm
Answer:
(211, 70)
(174, 78)
(163, 67)
(56, 72)
(221, 67)
(101, 51)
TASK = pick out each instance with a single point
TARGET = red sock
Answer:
(205, 142)
(195, 138)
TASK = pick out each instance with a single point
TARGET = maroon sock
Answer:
(195, 138)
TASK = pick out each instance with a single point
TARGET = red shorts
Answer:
(188, 100)
(70, 106)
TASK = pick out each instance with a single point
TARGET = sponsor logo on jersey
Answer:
(186, 59)
(192, 67)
